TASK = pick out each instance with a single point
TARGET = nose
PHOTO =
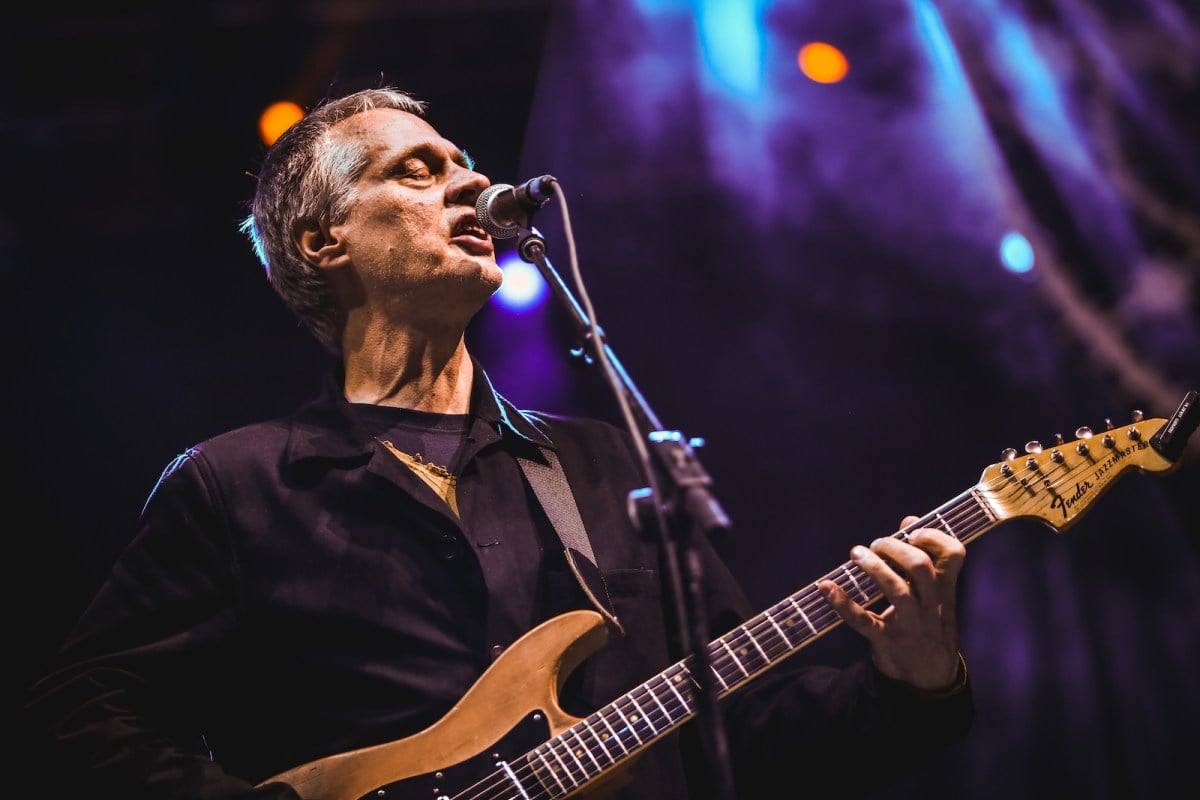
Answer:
(465, 186)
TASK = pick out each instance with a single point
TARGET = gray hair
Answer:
(307, 174)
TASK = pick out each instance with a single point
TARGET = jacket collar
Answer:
(327, 427)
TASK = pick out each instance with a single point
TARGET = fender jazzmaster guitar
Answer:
(507, 738)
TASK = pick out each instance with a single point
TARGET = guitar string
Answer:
(817, 620)
(818, 616)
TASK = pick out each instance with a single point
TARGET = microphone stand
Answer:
(686, 512)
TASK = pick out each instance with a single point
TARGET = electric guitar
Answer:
(508, 738)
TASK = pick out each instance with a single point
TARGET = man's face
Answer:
(412, 234)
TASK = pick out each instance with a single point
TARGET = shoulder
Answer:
(572, 425)
(596, 443)
(244, 445)
(244, 450)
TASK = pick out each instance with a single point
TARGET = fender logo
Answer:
(1065, 502)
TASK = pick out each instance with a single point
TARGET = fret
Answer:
(570, 765)
(654, 693)
(642, 713)
(613, 731)
(628, 724)
(566, 771)
(583, 748)
(807, 621)
(748, 658)
(601, 739)
(550, 770)
(778, 629)
(507, 770)
(945, 525)
(729, 650)
(717, 674)
(682, 700)
(988, 515)
(575, 759)
(757, 646)
(850, 575)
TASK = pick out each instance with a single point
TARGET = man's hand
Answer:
(914, 639)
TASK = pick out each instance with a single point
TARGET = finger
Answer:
(909, 520)
(912, 562)
(946, 551)
(894, 587)
(852, 613)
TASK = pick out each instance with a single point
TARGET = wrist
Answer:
(954, 687)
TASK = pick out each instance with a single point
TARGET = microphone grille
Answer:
(483, 212)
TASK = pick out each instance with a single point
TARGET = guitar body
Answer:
(511, 708)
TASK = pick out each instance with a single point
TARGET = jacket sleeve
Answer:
(119, 706)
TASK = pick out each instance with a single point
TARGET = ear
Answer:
(320, 243)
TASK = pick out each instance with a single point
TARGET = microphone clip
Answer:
(505, 210)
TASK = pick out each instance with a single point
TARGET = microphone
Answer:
(503, 209)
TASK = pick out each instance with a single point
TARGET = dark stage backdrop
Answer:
(806, 275)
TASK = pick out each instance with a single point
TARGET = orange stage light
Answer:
(277, 118)
(822, 62)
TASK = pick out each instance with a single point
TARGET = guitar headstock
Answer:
(1056, 483)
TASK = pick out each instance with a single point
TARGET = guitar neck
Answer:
(624, 727)
(1055, 485)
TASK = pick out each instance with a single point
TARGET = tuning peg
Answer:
(1033, 447)
(1137, 415)
(1108, 441)
(1008, 454)
(1083, 432)
(1058, 438)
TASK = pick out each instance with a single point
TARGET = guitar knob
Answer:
(1031, 463)
(1008, 454)
(1058, 438)
(1135, 434)
(1056, 457)
(1081, 448)
(1033, 447)
(1108, 441)
(1108, 426)
(1083, 432)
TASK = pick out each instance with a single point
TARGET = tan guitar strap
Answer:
(549, 483)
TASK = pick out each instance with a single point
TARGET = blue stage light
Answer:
(1016, 253)
(523, 286)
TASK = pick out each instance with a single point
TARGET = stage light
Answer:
(732, 37)
(822, 62)
(523, 286)
(277, 118)
(1016, 253)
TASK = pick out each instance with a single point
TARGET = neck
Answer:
(408, 371)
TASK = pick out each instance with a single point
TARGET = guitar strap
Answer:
(549, 483)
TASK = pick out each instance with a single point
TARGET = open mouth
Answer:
(467, 226)
(471, 237)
